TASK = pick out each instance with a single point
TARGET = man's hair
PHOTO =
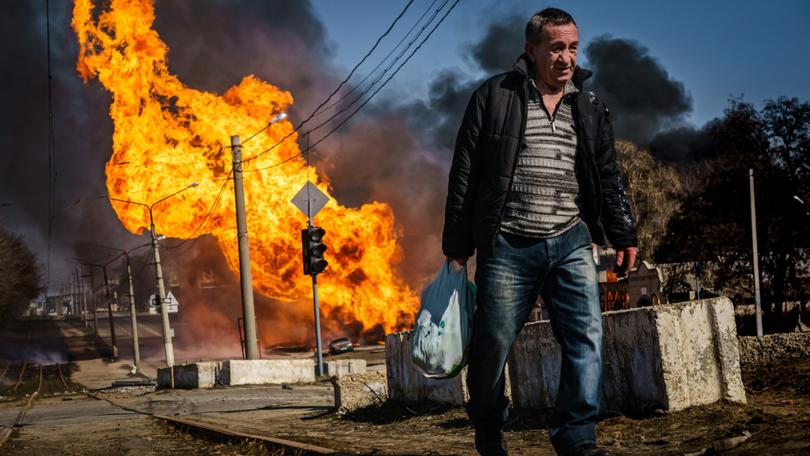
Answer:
(553, 16)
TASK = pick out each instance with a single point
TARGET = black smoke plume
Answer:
(640, 94)
(212, 46)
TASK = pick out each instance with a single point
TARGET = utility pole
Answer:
(164, 310)
(82, 309)
(109, 297)
(93, 300)
(758, 305)
(245, 276)
(134, 319)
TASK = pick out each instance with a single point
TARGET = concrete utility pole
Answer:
(758, 306)
(109, 297)
(164, 309)
(136, 352)
(133, 311)
(245, 275)
(81, 302)
(92, 298)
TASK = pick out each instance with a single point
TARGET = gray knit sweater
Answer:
(542, 199)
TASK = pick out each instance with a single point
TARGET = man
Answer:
(534, 182)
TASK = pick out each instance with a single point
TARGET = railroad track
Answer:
(39, 380)
(189, 424)
(39, 383)
(5, 369)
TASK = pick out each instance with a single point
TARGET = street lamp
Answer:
(164, 311)
(136, 353)
(109, 303)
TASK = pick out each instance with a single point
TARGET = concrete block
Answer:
(164, 378)
(341, 367)
(406, 382)
(355, 391)
(196, 375)
(774, 347)
(266, 371)
(670, 356)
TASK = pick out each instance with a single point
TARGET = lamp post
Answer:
(109, 303)
(164, 311)
(136, 352)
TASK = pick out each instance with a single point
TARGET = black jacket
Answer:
(484, 164)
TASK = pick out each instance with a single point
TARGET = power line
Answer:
(342, 83)
(391, 52)
(204, 220)
(387, 69)
(343, 122)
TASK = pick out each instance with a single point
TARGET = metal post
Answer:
(108, 295)
(164, 310)
(758, 307)
(248, 311)
(93, 302)
(318, 349)
(136, 352)
(80, 301)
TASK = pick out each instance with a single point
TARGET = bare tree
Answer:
(654, 190)
(20, 278)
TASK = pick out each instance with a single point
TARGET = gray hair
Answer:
(553, 16)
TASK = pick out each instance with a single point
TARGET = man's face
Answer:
(556, 56)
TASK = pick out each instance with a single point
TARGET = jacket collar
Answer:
(523, 65)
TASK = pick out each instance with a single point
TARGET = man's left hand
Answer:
(625, 260)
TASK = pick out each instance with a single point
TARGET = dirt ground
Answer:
(777, 417)
(776, 420)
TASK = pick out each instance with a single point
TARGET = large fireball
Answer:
(168, 135)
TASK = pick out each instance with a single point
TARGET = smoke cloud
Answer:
(642, 97)
(684, 146)
(395, 152)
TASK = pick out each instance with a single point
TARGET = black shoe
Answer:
(490, 443)
(588, 449)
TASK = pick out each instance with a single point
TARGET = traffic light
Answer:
(313, 248)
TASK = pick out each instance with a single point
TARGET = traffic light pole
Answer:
(245, 275)
(318, 348)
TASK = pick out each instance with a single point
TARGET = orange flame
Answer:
(168, 135)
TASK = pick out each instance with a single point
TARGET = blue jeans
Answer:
(562, 270)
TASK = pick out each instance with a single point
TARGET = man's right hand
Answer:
(460, 261)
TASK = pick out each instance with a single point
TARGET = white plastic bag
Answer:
(444, 323)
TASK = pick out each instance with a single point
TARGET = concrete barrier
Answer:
(266, 371)
(341, 367)
(355, 391)
(670, 356)
(406, 383)
(774, 347)
(196, 375)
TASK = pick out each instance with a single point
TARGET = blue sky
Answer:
(718, 49)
